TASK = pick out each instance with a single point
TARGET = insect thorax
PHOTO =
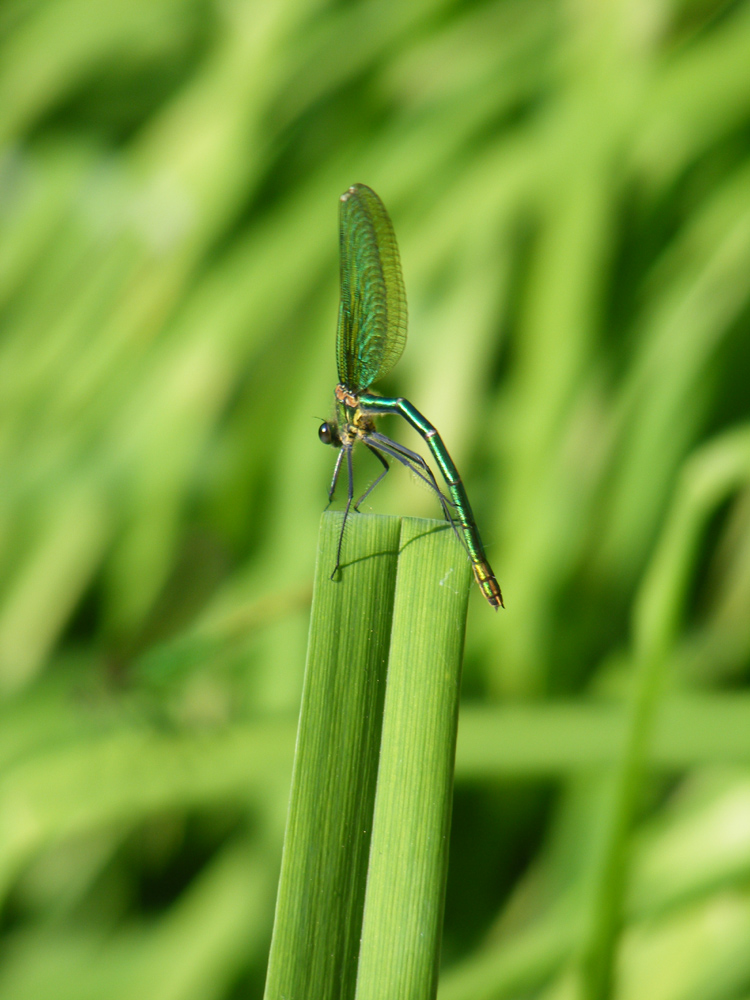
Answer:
(346, 396)
(353, 423)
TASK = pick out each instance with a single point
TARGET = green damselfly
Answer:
(370, 339)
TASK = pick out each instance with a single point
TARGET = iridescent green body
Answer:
(370, 339)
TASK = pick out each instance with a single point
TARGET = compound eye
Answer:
(325, 433)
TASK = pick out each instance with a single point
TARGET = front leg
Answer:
(350, 497)
(336, 470)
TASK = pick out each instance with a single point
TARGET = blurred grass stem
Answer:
(708, 478)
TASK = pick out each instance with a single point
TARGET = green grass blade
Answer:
(409, 851)
(321, 888)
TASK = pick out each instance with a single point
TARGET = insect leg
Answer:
(414, 465)
(350, 497)
(372, 485)
(336, 470)
(412, 459)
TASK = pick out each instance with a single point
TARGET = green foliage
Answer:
(402, 923)
(324, 867)
(569, 188)
(365, 852)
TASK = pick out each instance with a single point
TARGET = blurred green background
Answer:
(570, 186)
